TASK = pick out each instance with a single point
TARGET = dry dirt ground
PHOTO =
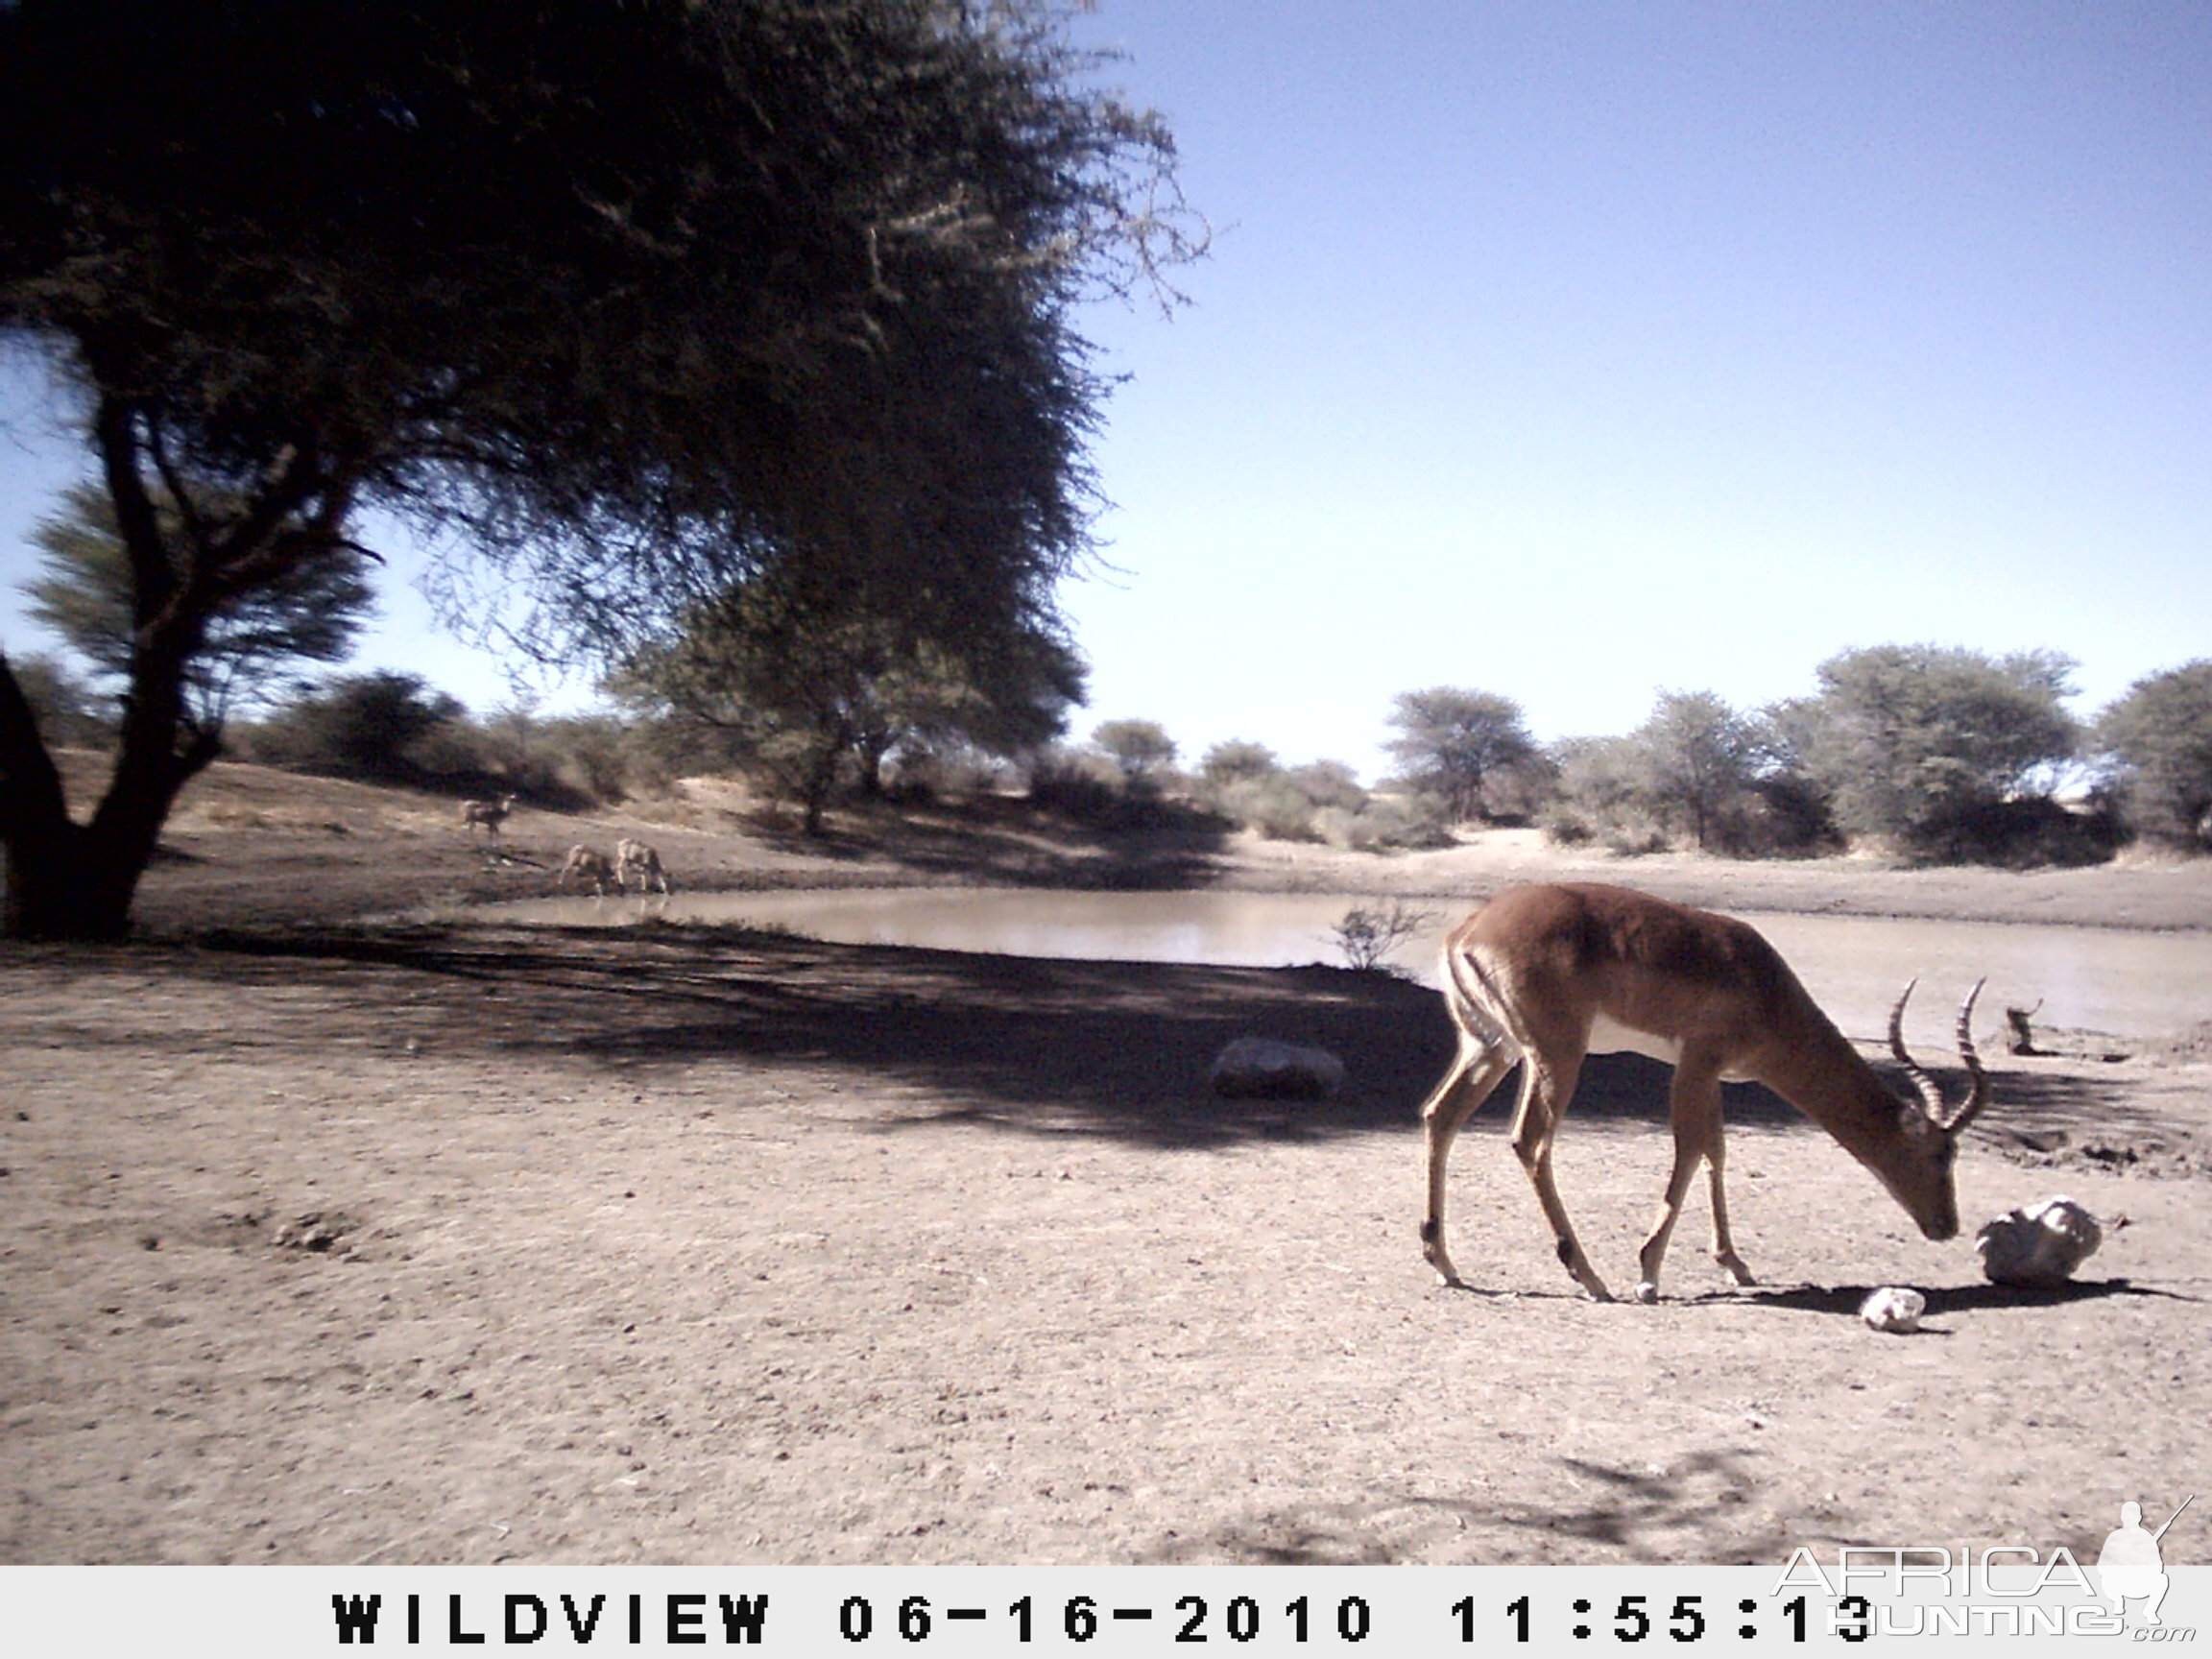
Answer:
(438, 1242)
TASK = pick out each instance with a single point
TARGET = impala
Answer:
(1549, 973)
(645, 860)
(489, 813)
(588, 864)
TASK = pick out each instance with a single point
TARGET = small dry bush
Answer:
(1367, 935)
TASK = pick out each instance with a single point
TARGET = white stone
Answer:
(1259, 1066)
(1892, 1308)
(2039, 1244)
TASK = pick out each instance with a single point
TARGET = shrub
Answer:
(1236, 759)
(1090, 788)
(1782, 815)
(1387, 823)
(1141, 749)
(1274, 806)
(376, 727)
(1599, 796)
(1367, 936)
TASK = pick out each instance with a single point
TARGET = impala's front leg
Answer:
(1694, 1107)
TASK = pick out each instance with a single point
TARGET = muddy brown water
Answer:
(2125, 981)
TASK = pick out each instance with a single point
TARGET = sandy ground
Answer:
(453, 1243)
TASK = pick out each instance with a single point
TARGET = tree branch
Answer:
(153, 578)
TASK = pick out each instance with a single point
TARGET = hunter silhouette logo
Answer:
(1999, 1589)
(2130, 1567)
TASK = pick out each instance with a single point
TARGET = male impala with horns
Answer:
(1549, 973)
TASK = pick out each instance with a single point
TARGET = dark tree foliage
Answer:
(2159, 737)
(642, 297)
(1452, 741)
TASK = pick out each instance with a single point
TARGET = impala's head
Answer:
(1920, 1177)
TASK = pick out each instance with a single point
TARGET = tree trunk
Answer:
(821, 779)
(67, 880)
(872, 756)
(68, 886)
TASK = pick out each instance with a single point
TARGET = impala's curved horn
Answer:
(1930, 1094)
(1979, 1096)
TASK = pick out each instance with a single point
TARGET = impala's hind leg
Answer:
(1475, 1071)
(1546, 1089)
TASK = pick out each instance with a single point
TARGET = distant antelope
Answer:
(489, 813)
(589, 863)
(631, 855)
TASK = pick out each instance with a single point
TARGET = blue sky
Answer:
(1576, 350)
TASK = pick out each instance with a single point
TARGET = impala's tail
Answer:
(1475, 1000)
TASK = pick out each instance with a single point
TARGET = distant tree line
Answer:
(1939, 752)
(1935, 753)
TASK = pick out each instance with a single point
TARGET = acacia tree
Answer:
(1237, 761)
(368, 724)
(638, 297)
(1697, 757)
(2159, 737)
(311, 612)
(1141, 748)
(1917, 743)
(1452, 741)
(806, 685)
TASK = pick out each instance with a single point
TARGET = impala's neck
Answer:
(1824, 1076)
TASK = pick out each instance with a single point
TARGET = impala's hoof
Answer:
(1647, 1292)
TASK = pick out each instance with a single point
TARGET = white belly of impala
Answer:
(1609, 1036)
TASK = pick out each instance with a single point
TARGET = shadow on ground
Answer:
(1015, 845)
(1118, 1049)
(1700, 1507)
(1846, 1299)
